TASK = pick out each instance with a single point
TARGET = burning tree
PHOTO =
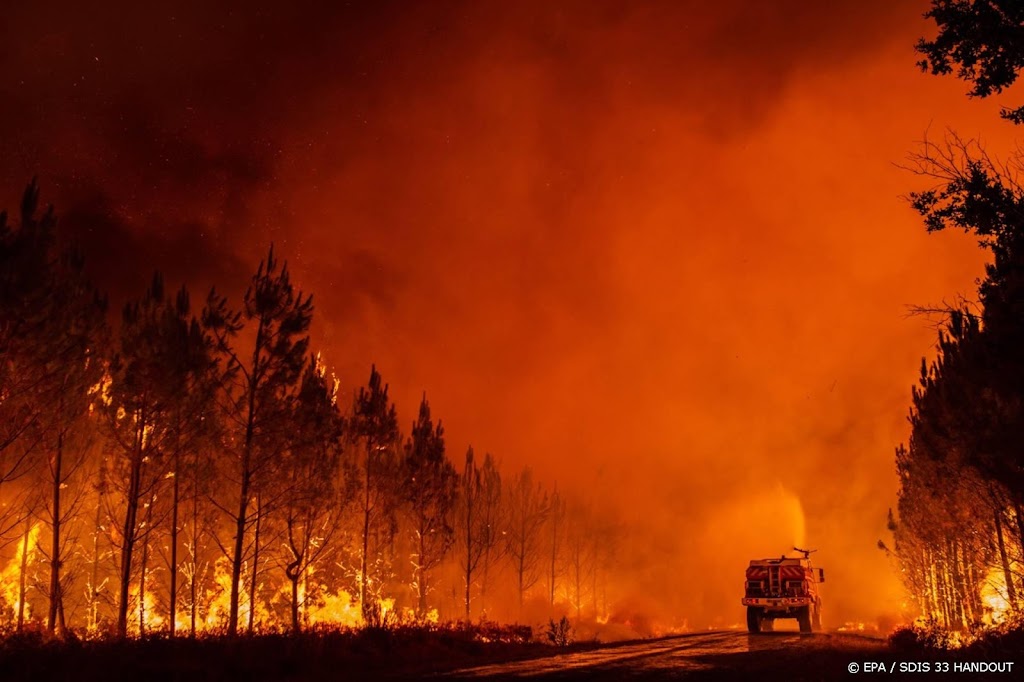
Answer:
(579, 554)
(24, 287)
(375, 424)
(429, 490)
(222, 433)
(527, 506)
(492, 517)
(556, 517)
(313, 476)
(258, 397)
(52, 335)
(155, 402)
(962, 483)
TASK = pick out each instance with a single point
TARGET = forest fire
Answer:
(995, 597)
(12, 576)
(609, 298)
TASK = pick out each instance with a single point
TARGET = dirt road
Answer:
(699, 656)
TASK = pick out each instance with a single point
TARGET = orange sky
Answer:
(656, 251)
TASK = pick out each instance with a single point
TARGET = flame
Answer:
(994, 597)
(10, 576)
(320, 606)
(409, 615)
(152, 616)
(332, 609)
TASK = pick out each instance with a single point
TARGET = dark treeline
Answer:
(959, 536)
(195, 467)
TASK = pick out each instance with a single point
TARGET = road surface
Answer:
(699, 656)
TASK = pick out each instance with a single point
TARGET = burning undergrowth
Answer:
(975, 643)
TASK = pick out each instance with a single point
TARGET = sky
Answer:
(657, 251)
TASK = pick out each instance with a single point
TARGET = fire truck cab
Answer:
(786, 587)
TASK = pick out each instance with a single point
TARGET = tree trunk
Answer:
(255, 564)
(94, 592)
(1011, 593)
(195, 561)
(366, 535)
(469, 540)
(130, 522)
(173, 597)
(305, 608)
(236, 558)
(521, 574)
(554, 555)
(421, 580)
(54, 615)
(23, 571)
(469, 576)
(1018, 512)
(243, 502)
(957, 584)
(293, 576)
(142, 582)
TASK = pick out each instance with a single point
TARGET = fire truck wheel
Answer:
(804, 618)
(753, 619)
(816, 618)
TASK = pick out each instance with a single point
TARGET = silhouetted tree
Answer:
(375, 425)
(983, 39)
(468, 523)
(527, 506)
(492, 516)
(313, 477)
(429, 487)
(158, 404)
(962, 472)
(259, 393)
(53, 336)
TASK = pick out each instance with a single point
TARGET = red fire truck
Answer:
(786, 587)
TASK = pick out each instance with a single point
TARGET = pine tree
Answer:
(429, 487)
(259, 393)
(375, 425)
(313, 477)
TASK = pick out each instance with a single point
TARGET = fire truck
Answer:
(786, 587)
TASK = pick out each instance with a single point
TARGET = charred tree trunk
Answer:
(243, 498)
(236, 557)
(55, 615)
(130, 523)
(255, 564)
